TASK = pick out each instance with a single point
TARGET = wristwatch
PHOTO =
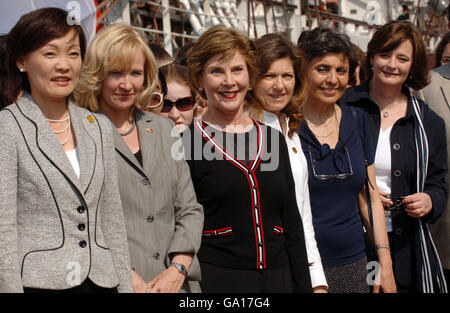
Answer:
(180, 267)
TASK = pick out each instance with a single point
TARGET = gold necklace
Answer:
(324, 125)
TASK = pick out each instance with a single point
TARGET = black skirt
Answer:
(217, 279)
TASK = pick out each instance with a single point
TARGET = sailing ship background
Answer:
(175, 23)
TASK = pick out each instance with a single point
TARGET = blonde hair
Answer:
(113, 48)
(220, 40)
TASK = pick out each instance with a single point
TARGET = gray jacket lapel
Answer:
(123, 149)
(446, 91)
(146, 139)
(45, 139)
(85, 127)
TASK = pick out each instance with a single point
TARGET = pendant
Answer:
(385, 114)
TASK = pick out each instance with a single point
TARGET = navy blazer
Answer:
(403, 172)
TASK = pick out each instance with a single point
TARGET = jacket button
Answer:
(81, 209)
(83, 244)
(397, 173)
(294, 149)
(145, 181)
(156, 256)
(81, 227)
(399, 231)
(396, 146)
(150, 219)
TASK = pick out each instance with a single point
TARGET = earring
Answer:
(22, 70)
(200, 89)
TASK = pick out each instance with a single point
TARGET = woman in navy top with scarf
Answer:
(337, 145)
(411, 160)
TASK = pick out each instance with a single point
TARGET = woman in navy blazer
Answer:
(411, 154)
(61, 222)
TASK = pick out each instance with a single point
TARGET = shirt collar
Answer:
(362, 93)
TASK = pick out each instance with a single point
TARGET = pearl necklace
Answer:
(133, 125)
(60, 131)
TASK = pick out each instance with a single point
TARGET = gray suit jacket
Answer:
(56, 230)
(437, 96)
(162, 215)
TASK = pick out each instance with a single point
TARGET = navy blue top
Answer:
(334, 202)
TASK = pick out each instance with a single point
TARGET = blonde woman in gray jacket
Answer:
(61, 222)
(162, 216)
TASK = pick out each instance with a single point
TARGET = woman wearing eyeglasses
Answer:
(337, 145)
(162, 217)
(179, 102)
(411, 154)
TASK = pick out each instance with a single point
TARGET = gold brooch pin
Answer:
(149, 130)
(91, 118)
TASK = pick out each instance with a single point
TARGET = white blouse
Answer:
(73, 158)
(300, 172)
(383, 167)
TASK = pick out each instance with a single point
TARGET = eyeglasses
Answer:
(323, 177)
(445, 60)
(397, 205)
(155, 100)
(182, 104)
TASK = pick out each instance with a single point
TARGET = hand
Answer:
(418, 204)
(385, 200)
(320, 289)
(386, 280)
(169, 281)
(139, 285)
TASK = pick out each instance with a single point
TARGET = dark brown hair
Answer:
(322, 40)
(272, 47)
(390, 36)
(440, 49)
(176, 72)
(31, 32)
(162, 57)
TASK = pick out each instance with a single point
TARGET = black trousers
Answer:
(86, 287)
(217, 279)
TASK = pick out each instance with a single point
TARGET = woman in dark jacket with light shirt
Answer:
(411, 158)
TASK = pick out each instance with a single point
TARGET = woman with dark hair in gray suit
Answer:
(162, 216)
(61, 222)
